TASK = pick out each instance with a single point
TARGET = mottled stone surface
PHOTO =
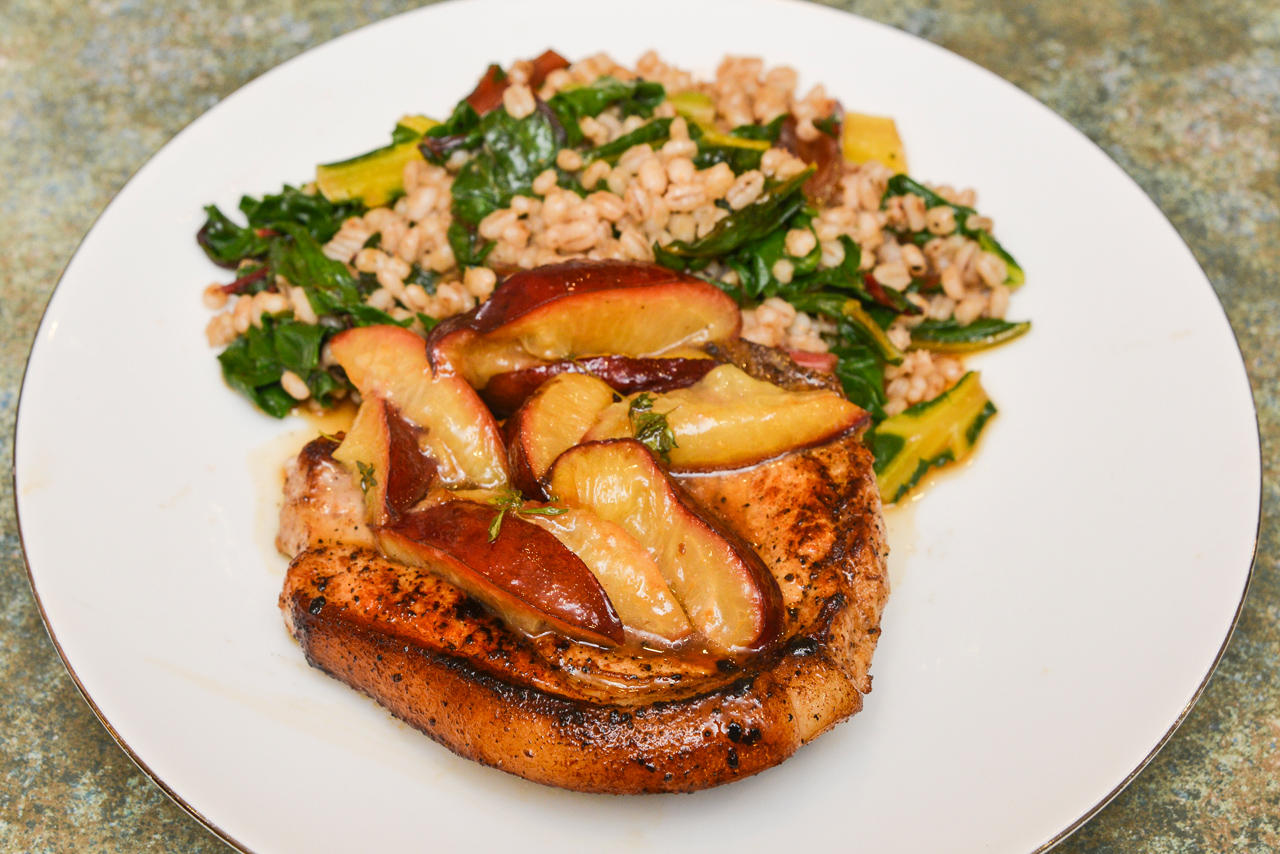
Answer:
(1185, 95)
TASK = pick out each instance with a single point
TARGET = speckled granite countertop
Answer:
(1184, 94)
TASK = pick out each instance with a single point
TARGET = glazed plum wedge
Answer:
(566, 311)
(505, 392)
(553, 420)
(522, 572)
(729, 420)
(384, 451)
(725, 589)
(458, 432)
(627, 572)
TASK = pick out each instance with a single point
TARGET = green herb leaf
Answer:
(510, 501)
(495, 526)
(651, 428)
(368, 479)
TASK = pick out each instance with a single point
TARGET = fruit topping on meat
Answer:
(651, 524)
(576, 309)
(505, 392)
(553, 420)
(458, 432)
(728, 420)
(522, 572)
(727, 593)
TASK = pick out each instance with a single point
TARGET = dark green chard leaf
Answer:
(514, 152)
(858, 327)
(821, 302)
(988, 243)
(829, 125)
(255, 361)
(901, 185)
(754, 264)
(298, 345)
(327, 283)
(768, 132)
(777, 203)
(674, 262)
(366, 315)
(469, 249)
(658, 130)
(401, 134)
(330, 288)
(711, 150)
(635, 98)
(848, 279)
(857, 323)
(884, 303)
(460, 131)
(949, 336)
(861, 373)
(227, 244)
(426, 279)
(319, 216)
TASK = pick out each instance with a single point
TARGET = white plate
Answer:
(1058, 605)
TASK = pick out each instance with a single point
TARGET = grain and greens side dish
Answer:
(801, 210)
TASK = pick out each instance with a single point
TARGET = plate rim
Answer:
(812, 5)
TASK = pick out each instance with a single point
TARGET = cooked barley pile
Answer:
(925, 250)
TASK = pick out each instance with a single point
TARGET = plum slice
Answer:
(506, 391)
(730, 420)
(526, 575)
(459, 433)
(384, 453)
(576, 309)
(726, 591)
(551, 422)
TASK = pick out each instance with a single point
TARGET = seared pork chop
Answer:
(620, 720)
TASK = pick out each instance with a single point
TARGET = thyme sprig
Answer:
(368, 480)
(651, 428)
(510, 501)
